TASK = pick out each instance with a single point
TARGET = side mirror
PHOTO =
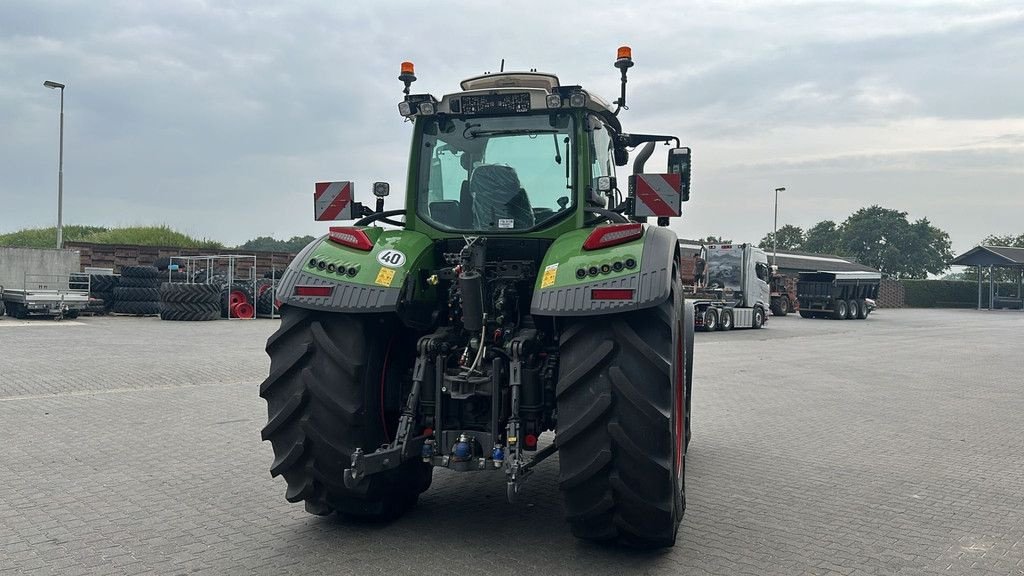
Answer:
(679, 163)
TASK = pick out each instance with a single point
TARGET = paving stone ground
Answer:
(888, 446)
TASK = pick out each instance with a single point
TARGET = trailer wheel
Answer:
(806, 314)
(324, 400)
(839, 309)
(862, 309)
(725, 320)
(852, 309)
(621, 432)
(758, 318)
(710, 320)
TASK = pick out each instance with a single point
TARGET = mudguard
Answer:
(569, 274)
(377, 280)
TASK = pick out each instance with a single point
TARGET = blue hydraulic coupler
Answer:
(462, 450)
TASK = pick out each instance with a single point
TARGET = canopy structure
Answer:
(993, 257)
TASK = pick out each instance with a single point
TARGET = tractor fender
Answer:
(377, 280)
(566, 279)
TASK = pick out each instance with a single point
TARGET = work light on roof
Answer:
(427, 108)
(405, 109)
(577, 100)
(553, 100)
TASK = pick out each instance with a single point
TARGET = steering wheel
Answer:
(382, 217)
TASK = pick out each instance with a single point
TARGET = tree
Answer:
(790, 238)
(822, 238)
(269, 244)
(714, 240)
(884, 239)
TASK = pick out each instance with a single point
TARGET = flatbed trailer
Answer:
(45, 295)
(837, 295)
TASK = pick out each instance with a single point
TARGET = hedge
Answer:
(948, 293)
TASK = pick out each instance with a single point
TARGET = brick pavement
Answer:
(890, 446)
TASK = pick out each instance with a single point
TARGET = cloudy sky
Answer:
(217, 117)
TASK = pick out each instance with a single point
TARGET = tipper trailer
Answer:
(837, 295)
(733, 291)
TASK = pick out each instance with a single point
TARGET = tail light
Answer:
(611, 294)
(319, 291)
(612, 235)
(351, 237)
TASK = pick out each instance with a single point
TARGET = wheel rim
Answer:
(236, 297)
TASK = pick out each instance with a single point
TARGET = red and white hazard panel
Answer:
(332, 201)
(658, 195)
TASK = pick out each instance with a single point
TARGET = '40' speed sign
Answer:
(391, 258)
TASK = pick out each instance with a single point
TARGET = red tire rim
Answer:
(237, 297)
(242, 310)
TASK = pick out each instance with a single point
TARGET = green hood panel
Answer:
(394, 255)
(566, 257)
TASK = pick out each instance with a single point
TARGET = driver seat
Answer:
(499, 198)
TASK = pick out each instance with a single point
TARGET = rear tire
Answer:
(710, 320)
(806, 314)
(839, 309)
(725, 321)
(862, 309)
(621, 433)
(852, 309)
(780, 306)
(324, 400)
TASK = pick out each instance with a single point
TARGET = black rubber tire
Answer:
(852, 309)
(191, 293)
(275, 274)
(225, 294)
(759, 318)
(780, 306)
(323, 401)
(122, 294)
(839, 309)
(725, 320)
(620, 438)
(136, 308)
(710, 320)
(3, 308)
(71, 314)
(189, 312)
(806, 314)
(100, 283)
(265, 304)
(130, 282)
(140, 272)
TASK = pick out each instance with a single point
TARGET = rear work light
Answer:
(612, 235)
(351, 237)
(611, 294)
(314, 290)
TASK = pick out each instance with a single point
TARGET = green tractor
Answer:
(516, 292)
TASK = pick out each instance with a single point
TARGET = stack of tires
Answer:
(137, 292)
(101, 293)
(189, 302)
(236, 301)
(266, 298)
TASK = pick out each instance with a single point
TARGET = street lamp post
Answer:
(60, 167)
(775, 232)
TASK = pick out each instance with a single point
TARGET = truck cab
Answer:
(734, 290)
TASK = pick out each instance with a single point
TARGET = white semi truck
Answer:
(732, 289)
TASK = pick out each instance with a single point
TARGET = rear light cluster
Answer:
(613, 235)
(332, 268)
(351, 237)
(617, 266)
